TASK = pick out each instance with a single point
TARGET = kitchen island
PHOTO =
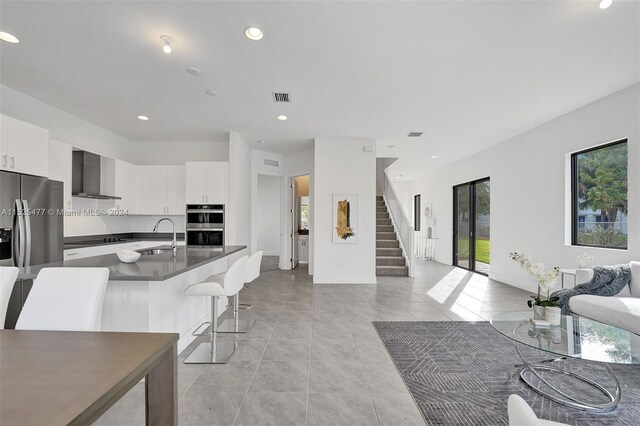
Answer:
(148, 295)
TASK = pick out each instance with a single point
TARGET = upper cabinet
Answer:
(207, 182)
(127, 186)
(162, 190)
(175, 190)
(60, 167)
(24, 148)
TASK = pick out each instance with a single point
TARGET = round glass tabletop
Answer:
(575, 337)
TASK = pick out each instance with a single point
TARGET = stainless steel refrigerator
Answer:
(31, 228)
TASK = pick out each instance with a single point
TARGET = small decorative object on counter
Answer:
(585, 260)
(547, 280)
(128, 256)
(553, 315)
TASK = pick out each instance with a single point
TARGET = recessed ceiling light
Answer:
(605, 4)
(143, 118)
(10, 38)
(168, 43)
(253, 33)
(434, 156)
(211, 93)
(398, 177)
(281, 117)
(262, 141)
(193, 71)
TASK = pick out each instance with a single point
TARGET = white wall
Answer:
(85, 135)
(528, 191)
(238, 209)
(178, 152)
(288, 166)
(404, 191)
(269, 218)
(342, 167)
(64, 127)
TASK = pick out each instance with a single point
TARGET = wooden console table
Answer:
(71, 377)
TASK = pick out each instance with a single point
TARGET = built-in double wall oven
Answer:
(205, 225)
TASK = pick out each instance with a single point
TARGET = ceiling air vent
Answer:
(273, 163)
(414, 134)
(281, 97)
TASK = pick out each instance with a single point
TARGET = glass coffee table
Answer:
(576, 337)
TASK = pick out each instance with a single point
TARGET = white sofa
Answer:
(622, 310)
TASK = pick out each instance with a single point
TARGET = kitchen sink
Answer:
(154, 251)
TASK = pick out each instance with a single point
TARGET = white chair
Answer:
(65, 299)
(520, 414)
(8, 275)
(253, 272)
(235, 324)
(216, 352)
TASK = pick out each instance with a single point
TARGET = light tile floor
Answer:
(313, 357)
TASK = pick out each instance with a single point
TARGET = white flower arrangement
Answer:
(547, 280)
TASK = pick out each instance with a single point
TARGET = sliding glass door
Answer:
(472, 225)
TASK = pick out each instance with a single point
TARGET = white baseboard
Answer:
(341, 279)
(521, 284)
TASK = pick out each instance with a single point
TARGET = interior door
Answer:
(294, 224)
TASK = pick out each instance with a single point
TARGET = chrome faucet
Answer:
(174, 243)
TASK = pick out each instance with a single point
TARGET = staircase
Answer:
(389, 259)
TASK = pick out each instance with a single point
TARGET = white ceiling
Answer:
(468, 74)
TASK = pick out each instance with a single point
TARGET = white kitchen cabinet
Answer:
(206, 182)
(153, 189)
(175, 190)
(60, 165)
(162, 190)
(127, 186)
(217, 182)
(24, 147)
(195, 182)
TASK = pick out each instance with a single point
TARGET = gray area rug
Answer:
(461, 373)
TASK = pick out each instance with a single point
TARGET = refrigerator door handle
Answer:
(21, 246)
(27, 237)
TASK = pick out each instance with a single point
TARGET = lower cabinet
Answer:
(303, 248)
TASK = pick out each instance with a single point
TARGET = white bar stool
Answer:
(235, 324)
(65, 299)
(8, 275)
(253, 272)
(216, 352)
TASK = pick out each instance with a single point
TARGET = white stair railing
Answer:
(405, 231)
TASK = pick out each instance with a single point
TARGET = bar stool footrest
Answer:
(206, 332)
(229, 325)
(202, 353)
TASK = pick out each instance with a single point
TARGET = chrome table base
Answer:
(561, 397)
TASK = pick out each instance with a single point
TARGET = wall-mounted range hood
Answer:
(85, 181)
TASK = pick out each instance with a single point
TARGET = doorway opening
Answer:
(269, 205)
(300, 220)
(472, 226)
